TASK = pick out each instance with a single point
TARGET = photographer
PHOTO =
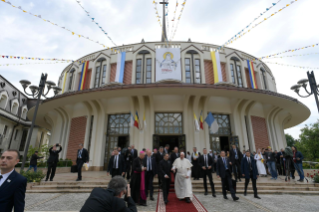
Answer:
(110, 199)
(53, 161)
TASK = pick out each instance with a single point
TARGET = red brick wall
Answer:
(77, 136)
(223, 66)
(113, 72)
(128, 73)
(260, 132)
(209, 72)
(88, 79)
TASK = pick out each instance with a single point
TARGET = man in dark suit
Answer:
(82, 157)
(134, 152)
(110, 199)
(235, 158)
(53, 161)
(206, 163)
(166, 149)
(116, 165)
(165, 173)
(128, 157)
(249, 171)
(34, 161)
(223, 170)
(196, 167)
(159, 157)
(151, 172)
(174, 155)
(12, 184)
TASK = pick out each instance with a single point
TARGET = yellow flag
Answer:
(3, 0)
(79, 36)
(153, 2)
(44, 20)
(21, 57)
(72, 33)
(24, 11)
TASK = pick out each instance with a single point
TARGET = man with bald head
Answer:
(12, 184)
(183, 184)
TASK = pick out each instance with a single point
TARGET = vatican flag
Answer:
(196, 123)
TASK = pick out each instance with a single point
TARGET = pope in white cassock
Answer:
(183, 184)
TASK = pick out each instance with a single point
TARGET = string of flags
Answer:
(261, 14)
(166, 14)
(174, 17)
(62, 27)
(294, 55)
(178, 20)
(289, 65)
(242, 33)
(97, 24)
(20, 64)
(288, 51)
(33, 58)
(157, 14)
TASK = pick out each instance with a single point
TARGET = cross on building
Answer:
(164, 34)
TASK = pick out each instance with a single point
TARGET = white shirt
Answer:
(4, 177)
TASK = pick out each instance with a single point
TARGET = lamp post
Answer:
(36, 92)
(313, 87)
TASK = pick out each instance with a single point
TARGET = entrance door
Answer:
(172, 140)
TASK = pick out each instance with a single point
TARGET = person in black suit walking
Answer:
(174, 155)
(116, 165)
(151, 172)
(110, 199)
(134, 152)
(53, 161)
(12, 184)
(128, 157)
(206, 163)
(34, 161)
(165, 167)
(249, 171)
(223, 170)
(166, 149)
(235, 158)
(159, 157)
(82, 157)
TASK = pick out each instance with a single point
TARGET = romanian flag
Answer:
(144, 120)
(218, 77)
(252, 74)
(201, 124)
(136, 121)
(83, 75)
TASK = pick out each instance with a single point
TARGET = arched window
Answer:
(15, 106)
(235, 71)
(192, 67)
(264, 76)
(143, 67)
(3, 100)
(100, 72)
(71, 76)
(24, 112)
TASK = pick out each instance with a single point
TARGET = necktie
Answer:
(205, 160)
(225, 163)
(1, 177)
(148, 164)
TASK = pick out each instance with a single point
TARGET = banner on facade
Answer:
(168, 64)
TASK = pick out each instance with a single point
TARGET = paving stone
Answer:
(31, 199)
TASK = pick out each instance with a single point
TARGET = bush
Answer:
(33, 176)
(305, 165)
(317, 166)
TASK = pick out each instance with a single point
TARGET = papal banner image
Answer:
(168, 64)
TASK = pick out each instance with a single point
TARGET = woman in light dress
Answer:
(260, 165)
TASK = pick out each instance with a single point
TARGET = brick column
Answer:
(260, 132)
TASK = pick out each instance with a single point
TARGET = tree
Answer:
(290, 140)
(309, 141)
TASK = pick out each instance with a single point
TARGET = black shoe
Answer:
(239, 180)
(181, 199)
(245, 193)
(151, 198)
(206, 193)
(46, 179)
(225, 197)
(214, 195)
(257, 197)
(78, 179)
(51, 179)
(143, 204)
(165, 202)
(235, 198)
(188, 200)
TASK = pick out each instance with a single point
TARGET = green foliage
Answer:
(43, 151)
(305, 165)
(316, 178)
(33, 176)
(317, 166)
(290, 140)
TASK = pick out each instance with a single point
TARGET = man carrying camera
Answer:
(53, 161)
(110, 199)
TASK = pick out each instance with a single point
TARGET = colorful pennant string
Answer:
(167, 19)
(294, 55)
(97, 24)
(20, 64)
(178, 20)
(288, 51)
(157, 14)
(237, 36)
(73, 33)
(289, 65)
(173, 20)
(261, 14)
(32, 58)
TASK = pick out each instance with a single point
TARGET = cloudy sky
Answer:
(128, 21)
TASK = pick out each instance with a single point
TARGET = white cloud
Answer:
(128, 21)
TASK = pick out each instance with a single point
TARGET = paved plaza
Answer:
(291, 203)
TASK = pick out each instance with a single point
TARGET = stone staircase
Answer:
(264, 187)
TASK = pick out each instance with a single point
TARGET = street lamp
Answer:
(313, 87)
(36, 92)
